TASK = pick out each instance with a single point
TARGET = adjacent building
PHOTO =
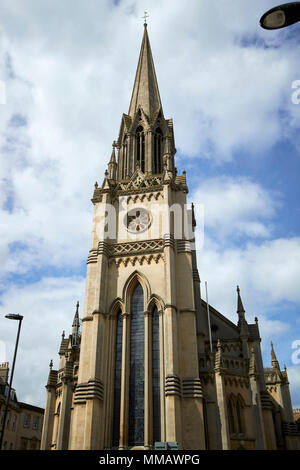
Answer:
(23, 428)
(152, 362)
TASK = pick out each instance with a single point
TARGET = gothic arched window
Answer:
(156, 375)
(231, 416)
(235, 414)
(117, 381)
(239, 411)
(56, 423)
(140, 147)
(136, 378)
(158, 139)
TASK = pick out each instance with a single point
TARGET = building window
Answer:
(33, 445)
(14, 423)
(23, 444)
(136, 380)
(11, 446)
(2, 418)
(140, 147)
(27, 419)
(117, 385)
(8, 420)
(125, 158)
(156, 375)
(235, 414)
(158, 144)
(35, 423)
(239, 417)
(231, 417)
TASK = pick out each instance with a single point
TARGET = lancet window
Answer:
(117, 382)
(155, 375)
(125, 169)
(140, 147)
(158, 145)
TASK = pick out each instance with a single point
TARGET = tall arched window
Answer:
(117, 381)
(231, 416)
(140, 147)
(136, 379)
(239, 406)
(235, 414)
(56, 424)
(155, 376)
(158, 138)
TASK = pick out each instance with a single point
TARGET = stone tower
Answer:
(138, 370)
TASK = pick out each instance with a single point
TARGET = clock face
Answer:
(137, 220)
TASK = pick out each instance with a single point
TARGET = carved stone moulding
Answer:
(134, 260)
(119, 250)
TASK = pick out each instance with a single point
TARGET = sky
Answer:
(66, 75)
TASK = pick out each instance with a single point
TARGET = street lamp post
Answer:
(11, 316)
(281, 16)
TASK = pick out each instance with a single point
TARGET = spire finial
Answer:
(145, 17)
(240, 307)
(242, 323)
(275, 363)
(76, 316)
(145, 93)
(51, 364)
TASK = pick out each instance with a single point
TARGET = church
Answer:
(151, 362)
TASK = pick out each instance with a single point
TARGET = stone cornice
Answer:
(88, 318)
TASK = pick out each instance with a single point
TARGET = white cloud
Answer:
(235, 206)
(48, 307)
(294, 379)
(267, 274)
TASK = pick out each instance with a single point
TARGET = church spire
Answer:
(242, 323)
(146, 139)
(145, 91)
(112, 166)
(240, 307)
(76, 327)
(275, 363)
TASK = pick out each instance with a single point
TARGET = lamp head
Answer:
(14, 316)
(281, 16)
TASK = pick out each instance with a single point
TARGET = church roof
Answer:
(145, 91)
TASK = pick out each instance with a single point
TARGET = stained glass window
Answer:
(239, 418)
(117, 384)
(158, 138)
(231, 416)
(136, 381)
(140, 147)
(156, 375)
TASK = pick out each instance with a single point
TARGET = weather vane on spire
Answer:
(145, 16)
